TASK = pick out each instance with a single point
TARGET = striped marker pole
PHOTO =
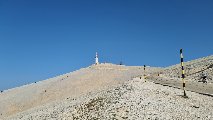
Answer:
(144, 76)
(183, 76)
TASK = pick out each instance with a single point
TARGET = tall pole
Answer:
(144, 76)
(182, 68)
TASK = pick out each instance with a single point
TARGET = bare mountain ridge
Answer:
(50, 97)
(72, 84)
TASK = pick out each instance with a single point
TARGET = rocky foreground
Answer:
(134, 99)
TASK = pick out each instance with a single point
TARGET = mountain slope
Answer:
(74, 84)
(193, 69)
(134, 100)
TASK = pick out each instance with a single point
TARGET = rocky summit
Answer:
(109, 91)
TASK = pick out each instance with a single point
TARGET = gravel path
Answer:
(134, 99)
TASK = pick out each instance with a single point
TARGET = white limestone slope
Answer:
(70, 85)
(193, 69)
(133, 100)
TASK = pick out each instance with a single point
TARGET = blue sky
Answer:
(40, 39)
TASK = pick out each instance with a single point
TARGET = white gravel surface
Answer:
(75, 84)
(133, 99)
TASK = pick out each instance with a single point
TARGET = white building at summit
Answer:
(96, 59)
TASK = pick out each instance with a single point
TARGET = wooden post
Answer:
(182, 69)
(144, 76)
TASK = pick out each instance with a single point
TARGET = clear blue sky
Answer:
(40, 39)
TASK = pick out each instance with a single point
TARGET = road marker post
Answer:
(183, 72)
(144, 75)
